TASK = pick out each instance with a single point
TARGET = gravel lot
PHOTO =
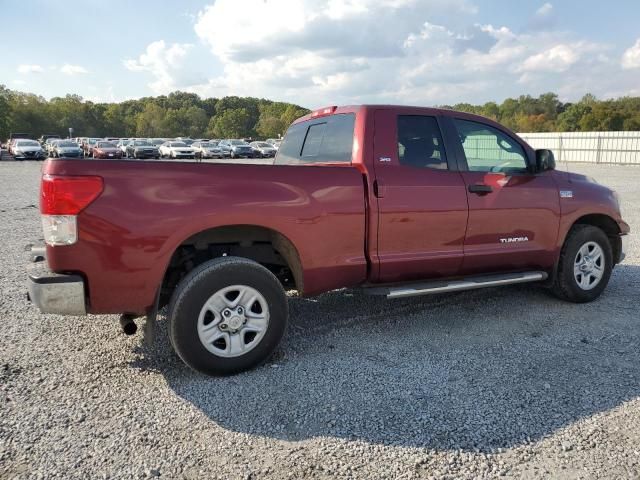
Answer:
(471, 385)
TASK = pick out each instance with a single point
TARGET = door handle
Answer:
(480, 189)
(378, 188)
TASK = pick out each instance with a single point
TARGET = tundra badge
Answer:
(514, 239)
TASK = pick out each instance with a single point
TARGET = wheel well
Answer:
(609, 226)
(263, 245)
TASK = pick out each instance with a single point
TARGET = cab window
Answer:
(487, 149)
(420, 142)
(327, 139)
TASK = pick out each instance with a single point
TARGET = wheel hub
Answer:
(233, 321)
(587, 265)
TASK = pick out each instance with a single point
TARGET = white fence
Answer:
(593, 147)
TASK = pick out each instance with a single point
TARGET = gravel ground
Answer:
(504, 382)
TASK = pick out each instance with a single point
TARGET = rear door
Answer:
(422, 201)
(514, 214)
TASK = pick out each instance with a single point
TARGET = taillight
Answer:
(61, 199)
(68, 195)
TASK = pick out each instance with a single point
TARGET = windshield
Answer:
(67, 144)
(208, 145)
(27, 143)
(263, 145)
(237, 142)
(141, 143)
(178, 144)
(106, 145)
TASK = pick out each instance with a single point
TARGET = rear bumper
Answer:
(53, 292)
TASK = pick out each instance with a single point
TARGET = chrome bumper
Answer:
(53, 292)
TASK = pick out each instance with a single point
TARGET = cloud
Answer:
(25, 69)
(169, 66)
(556, 59)
(68, 69)
(545, 10)
(317, 52)
(631, 57)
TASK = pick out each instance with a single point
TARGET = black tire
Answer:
(566, 286)
(197, 287)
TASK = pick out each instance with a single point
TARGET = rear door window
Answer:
(420, 142)
(326, 139)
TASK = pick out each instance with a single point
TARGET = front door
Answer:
(514, 214)
(422, 201)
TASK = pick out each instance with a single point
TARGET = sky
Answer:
(322, 52)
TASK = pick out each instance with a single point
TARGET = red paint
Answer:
(422, 223)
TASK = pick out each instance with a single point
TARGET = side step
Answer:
(469, 283)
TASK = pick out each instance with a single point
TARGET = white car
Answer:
(122, 145)
(207, 150)
(25, 149)
(274, 142)
(176, 150)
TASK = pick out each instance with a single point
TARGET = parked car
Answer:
(88, 144)
(207, 150)
(141, 149)
(263, 150)
(275, 142)
(237, 148)
(156, 142)
(43, 138)
(49, 144)
(106, 150)
(122, 145)
(66, 149)
(13, 137)
(23, 149)
(176, 149)
(430, 201)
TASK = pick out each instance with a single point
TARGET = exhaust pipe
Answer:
(129, 327)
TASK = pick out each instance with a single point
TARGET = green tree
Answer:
(5, 113)
(232, 123)
(150, 122)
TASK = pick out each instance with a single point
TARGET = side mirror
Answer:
(545, 160)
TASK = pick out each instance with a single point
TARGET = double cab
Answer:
(399, 201)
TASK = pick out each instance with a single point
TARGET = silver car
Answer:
(263, 149)
(207, 150)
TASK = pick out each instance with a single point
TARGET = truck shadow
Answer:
(474, 370)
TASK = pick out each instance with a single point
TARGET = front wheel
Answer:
(585, 265)
(227, 315)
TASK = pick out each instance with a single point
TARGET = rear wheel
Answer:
(585, 265)
(227, 315)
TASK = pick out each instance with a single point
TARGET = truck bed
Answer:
(149, 208)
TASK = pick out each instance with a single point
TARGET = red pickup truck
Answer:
(400, 201)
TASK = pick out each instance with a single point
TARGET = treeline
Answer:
(187, 114)
(548, 114)
(176, 114)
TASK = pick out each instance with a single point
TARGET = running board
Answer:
(469, 283)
